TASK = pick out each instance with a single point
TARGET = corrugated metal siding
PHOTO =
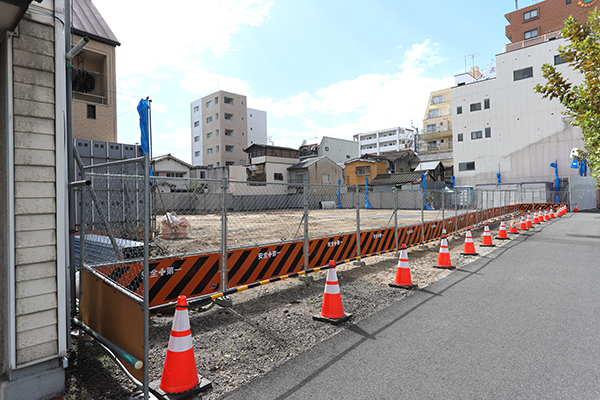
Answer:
(35, 194)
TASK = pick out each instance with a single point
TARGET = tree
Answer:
(582, 102)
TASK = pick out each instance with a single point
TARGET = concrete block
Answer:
(40, 382)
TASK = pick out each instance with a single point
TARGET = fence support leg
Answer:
(396, 218)
(306, 278)
(357, 204)
(224, 301)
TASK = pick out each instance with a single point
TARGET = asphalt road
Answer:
(520, 323)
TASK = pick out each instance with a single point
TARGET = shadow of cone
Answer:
(502, 232)
(180, 379)
(487, 237)
(332, 310)
(403, 279)
(444, 256)
(469, 249)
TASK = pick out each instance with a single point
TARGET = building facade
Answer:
(34, 304)
(269, 163)
(222, 127)
(437, 123)
(543, 20)
(94, 76)
(504, 131)
(338, 150)
(391, 139)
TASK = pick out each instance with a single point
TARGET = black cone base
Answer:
(334, 321)
(203, 384)
(408, 287)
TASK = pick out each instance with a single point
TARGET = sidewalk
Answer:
(521, 323)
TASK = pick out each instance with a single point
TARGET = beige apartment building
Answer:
(94, 76)
(437, 123)
(223, 123)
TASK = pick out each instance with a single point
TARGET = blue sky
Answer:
(317, 67)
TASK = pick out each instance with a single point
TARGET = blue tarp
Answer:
(144, 127)
(557, 182)
(367, 205)
(424, 191)
(339, 205)
(583, 168)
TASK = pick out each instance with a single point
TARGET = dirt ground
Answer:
(266, 326)
(251, 229)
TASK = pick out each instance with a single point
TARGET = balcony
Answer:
(441, 114)
(439, 100)
(433, 146)
(532, 41)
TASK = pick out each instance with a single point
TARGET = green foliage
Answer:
(582, 102)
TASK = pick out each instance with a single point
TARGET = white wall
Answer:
(527, 132)
(339, 150)
(257, 126)
(196, 131)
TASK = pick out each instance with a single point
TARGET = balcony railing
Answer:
(444, 114)
(436, 129)
(532, 41)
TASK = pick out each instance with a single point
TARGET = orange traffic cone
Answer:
(523, 224)
(403, 280)
(487, 237)
(536, 220)
(528, 222)
(444, 256)
(513, 227)
(469, 245)
(546, 215)
(576, 209)
(552, 214)
(179, 372)
(502, 232)
(332, 310)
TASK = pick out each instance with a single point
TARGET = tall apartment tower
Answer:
(222, 126)
(437, 124)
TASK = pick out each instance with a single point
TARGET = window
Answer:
(523, 73)
(434, 113)
(326, 148)
(530, 14)
(197, 154)
(216, 133)
(209, 151)
(460, 137)
(218, 164)
(437, 99)
(209, 165)
(217, 148)
(568, 1)
(229, 149)
(202, 174)
(228, 100)
(466, 166)
(486, 103)
(366, 170)
(229, 132)
(196, 109)
(216, 100)
(208, 104)
(229, 117)
(459, 110)
(431, 128)
(488, 132)
(325, 178)
(174, 174)
(196, 124)
(432, 145)
(475, 106)
(209, 135)
(208, 119)
(228, 163)
(196, 138)
(91, 111)
(216, 117)
(531, 34)
(347, 155)
(559, 60)
(277, 176)
(476, 135)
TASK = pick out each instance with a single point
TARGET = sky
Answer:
(317, 67)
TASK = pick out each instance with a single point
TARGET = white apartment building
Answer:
(222, 126)
(385, 140)
(502, 126)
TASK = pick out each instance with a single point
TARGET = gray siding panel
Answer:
(29, 305)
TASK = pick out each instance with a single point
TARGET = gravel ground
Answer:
(266, 326)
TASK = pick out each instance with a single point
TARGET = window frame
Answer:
(459, 137)
(529, 14)
(475, 135)
(475, 107)
(531, 36)
(458, 110)
(466, 166)
(523, 73)
(488, 132)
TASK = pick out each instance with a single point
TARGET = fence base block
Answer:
(203, 384)
(306, 278)
(224, 301)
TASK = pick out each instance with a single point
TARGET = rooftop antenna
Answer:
(516, 4)
(472, 58)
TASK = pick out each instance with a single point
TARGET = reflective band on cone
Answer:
(469, 249)
(528, 222)
(536, 220)
(403, 279)
(523, 224)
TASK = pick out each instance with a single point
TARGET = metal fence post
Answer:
(146, 272)
(357, 203)
(224, 234)
(305, 217)
(396, 216)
